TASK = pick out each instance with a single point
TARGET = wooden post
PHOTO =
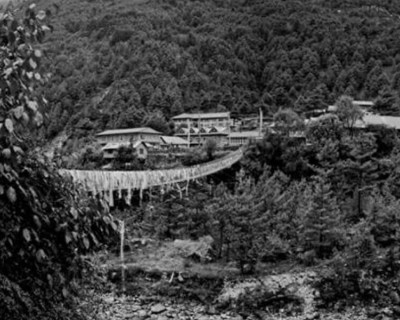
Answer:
(122, 232)
(188, 133)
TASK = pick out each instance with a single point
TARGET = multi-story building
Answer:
(146, 135)
(242, 138)
(203, 120)
(220, 135)
(198, 136)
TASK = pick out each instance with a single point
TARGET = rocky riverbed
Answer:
(112, 307)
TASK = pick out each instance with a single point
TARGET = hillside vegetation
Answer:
(129, 63)
(330, 200)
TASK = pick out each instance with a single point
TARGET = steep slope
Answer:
(129, 63)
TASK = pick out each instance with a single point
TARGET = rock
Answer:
(396, 310)
(312, 316)
(108, 299)
(162, 318)
(387, 312)
(372, 312)
(135, 308)
(395, 297)
(211, 310)
(142, 314)
(203, 318)
(158, 308)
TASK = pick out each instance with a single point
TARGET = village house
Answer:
(376, 119)
(220, 135)
(244, 137)
(203, 120)
(173, 143)
(147, 135)
(110, 150)
(198, 136)
(366, 106)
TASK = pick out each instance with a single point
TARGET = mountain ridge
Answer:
(155, 59)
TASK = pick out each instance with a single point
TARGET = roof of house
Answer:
(115, 145)
(217, 129)
(245, 134)
(321, 118)
(363, 102)
(375, 119)
(138, 143)
(173, 140)
(196, 116)
(184, 131)
(333, 108)
(128, 131)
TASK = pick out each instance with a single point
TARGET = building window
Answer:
(141, 151)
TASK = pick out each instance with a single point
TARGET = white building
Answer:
(203, 120)
(147, 135)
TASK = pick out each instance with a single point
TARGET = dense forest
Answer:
(116, 64)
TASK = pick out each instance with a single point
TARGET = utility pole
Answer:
(261, 122)
(188, 133)
(229, 129)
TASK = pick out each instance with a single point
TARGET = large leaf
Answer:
(74, 213)
(18, 111)
(68, 238)
(9, 125)
(6, 153)
(86, 243)
(40, 255)
(27, 235)
(11, 194)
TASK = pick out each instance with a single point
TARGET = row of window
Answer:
(120, 138)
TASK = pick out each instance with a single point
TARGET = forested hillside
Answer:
(129, 63)
(325, 201)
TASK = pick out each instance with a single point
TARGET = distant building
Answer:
(200, 136)
(375, 119)
(242, 138)
(220, 135)
(203, 120)
(364, 105)
(168, 142)
(146, 135)
(110, 150)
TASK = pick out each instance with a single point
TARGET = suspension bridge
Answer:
(105, 182)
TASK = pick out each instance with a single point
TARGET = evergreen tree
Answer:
(322, 230)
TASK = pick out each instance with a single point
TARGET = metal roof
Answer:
(115, 146)
(196, 116)
(128, 131)
(375, 119)
(246, 134)
(363, 102)
(173, 140)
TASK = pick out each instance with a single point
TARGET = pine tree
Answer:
(322, 224)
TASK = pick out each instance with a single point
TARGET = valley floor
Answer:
(160, 285)
(113, 307)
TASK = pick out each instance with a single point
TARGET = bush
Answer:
(45, 228)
